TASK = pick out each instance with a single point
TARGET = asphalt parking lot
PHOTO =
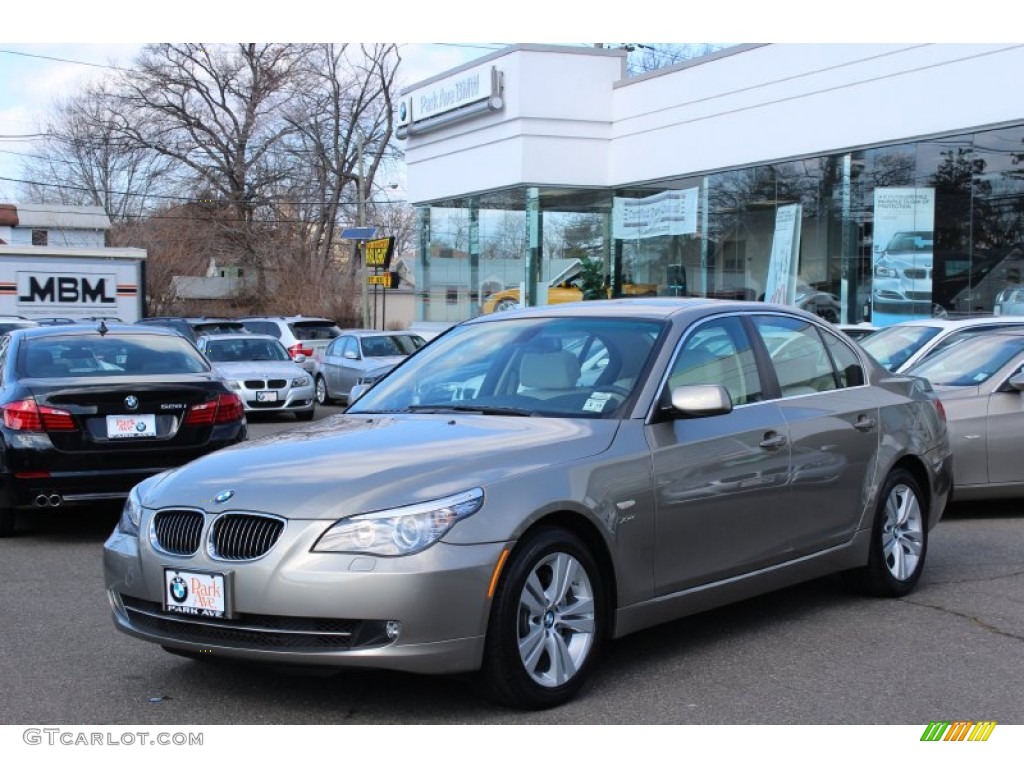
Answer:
(812, 654)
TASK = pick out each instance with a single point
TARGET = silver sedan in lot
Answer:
(486, 508)
(260, 370)
(357, 355)
(981, 383)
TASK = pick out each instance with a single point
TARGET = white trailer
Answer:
(40, 281)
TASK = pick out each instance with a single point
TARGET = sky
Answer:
(45, 58)
(34, 75)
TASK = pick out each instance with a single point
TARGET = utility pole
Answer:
(361, 215)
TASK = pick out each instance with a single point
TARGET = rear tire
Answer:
(899, 540)
(547, 622)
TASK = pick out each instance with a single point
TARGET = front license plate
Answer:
(194, 594)
(121, 427)
(266, 397)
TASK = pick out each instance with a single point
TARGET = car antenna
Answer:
(103, 328)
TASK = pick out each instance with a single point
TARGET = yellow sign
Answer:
(386, 279)
(378, 252)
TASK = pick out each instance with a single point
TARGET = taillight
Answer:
(227, 407)
(941, 409)
(298, 349)
(28, 416)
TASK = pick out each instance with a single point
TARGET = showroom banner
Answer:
(902, 242)
(780, 285)
(673, 212)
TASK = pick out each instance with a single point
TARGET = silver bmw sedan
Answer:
(536, 483)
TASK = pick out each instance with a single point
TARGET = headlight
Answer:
(131, 515)
(883, 270)
(301, 381)
(401, 531)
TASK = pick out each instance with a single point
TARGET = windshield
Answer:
(893, 346)
(390, 346)
(245, 349)
(580, 367)
(95, 356)
(971, 362)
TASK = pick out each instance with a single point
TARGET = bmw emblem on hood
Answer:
(223, 496)
(131, 402)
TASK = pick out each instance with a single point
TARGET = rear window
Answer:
(311, 330)
(98, 356)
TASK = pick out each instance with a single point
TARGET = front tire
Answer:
(321, 391)
(547, 622)
(899, 540)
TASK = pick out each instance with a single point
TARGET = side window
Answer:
(719, 352)
(334, 348)
(848, 366)
(802, 364)
(351, 349)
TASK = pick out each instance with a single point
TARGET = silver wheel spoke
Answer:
(579, 617)
(563, 667)
(563, 572)
(533, 598)
(531, 648)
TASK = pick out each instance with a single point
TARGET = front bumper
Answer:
(265, 400)
(294, 606)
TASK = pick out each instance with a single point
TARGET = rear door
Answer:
(832, 419)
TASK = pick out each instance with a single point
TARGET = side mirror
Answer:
(350, 355)
(357, 391)
(700, 400)
(1017, 382)
(300, 358)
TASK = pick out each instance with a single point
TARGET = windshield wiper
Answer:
(486, 410)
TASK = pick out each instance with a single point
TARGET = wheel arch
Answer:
(591, 536)
(915, 466)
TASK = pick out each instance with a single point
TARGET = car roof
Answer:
(372, 332)
(237, 336)
(92, 328)
(654, 307)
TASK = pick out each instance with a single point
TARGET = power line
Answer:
(64, 61)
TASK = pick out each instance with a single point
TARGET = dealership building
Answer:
(881, 181)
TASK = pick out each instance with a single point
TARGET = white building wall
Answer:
(779, 101)
(555, 127)
(571, 119)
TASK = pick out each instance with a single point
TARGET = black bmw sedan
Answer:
(89, 410)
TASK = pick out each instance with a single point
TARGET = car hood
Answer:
(258, 369)
(387, 362)
(349, 464)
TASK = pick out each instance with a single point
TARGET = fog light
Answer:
(393, 628)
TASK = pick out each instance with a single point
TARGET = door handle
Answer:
(864, 423)
(773, 440)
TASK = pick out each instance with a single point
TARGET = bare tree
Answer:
(81, 160)
(215, 112)
(343, 124)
